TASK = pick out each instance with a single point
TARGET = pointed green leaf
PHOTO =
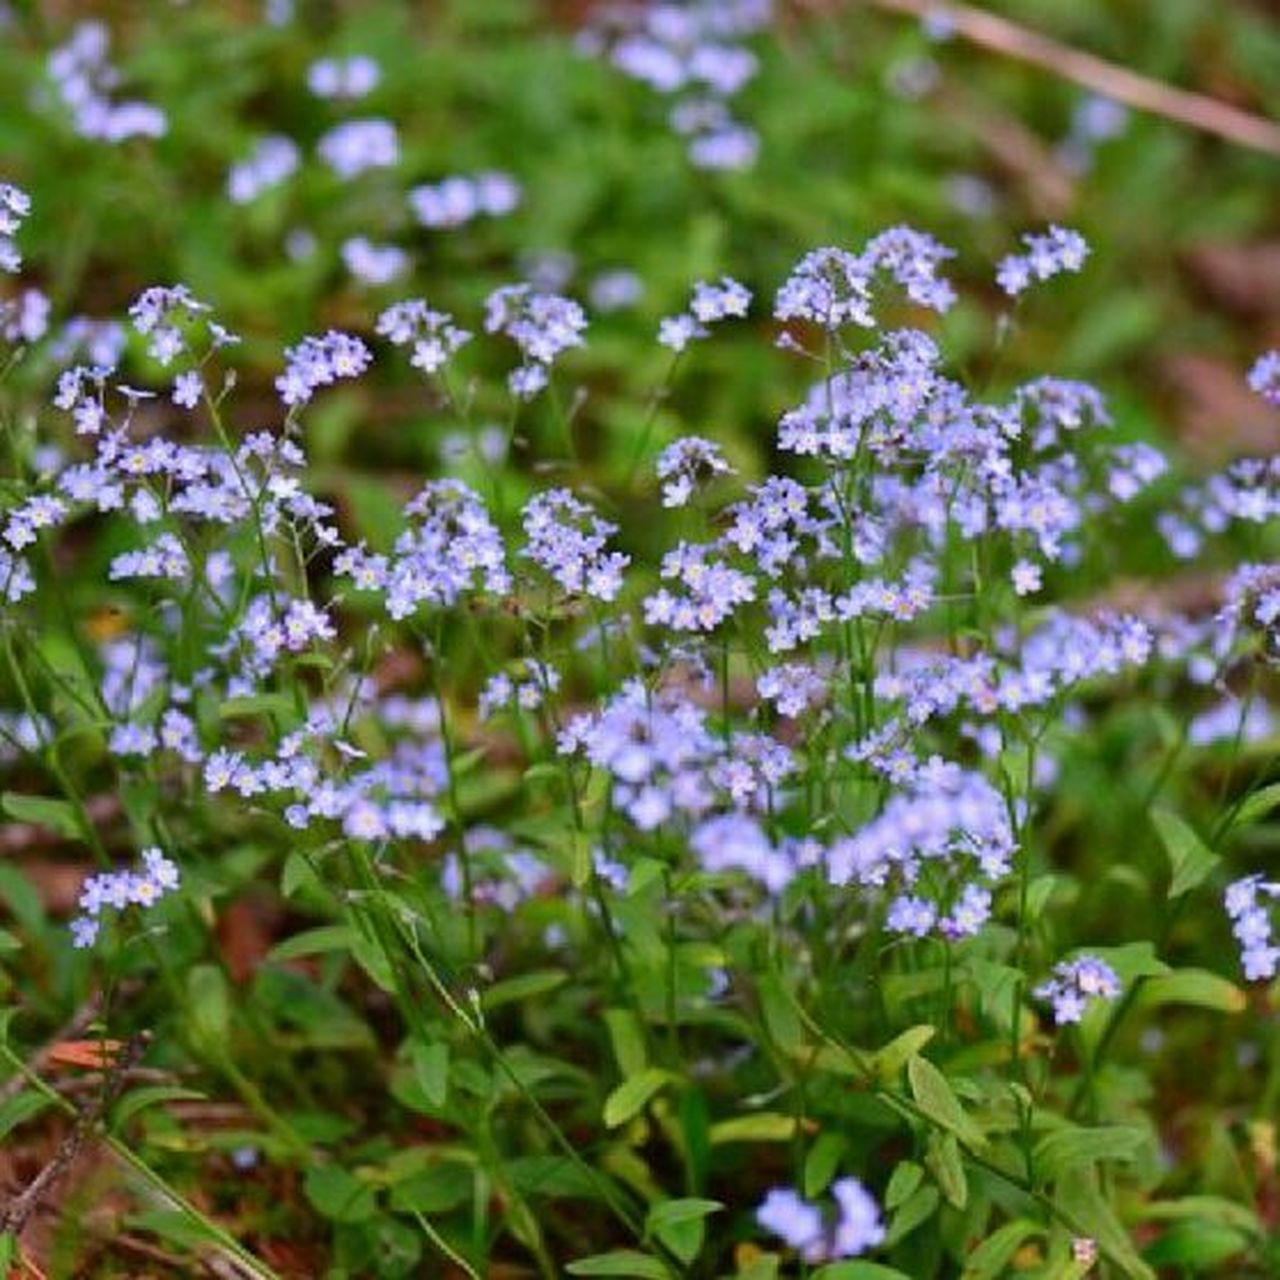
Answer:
(904, 1180)
(1196, 987)
(1255, 806)
(139, 1099)
(765, 1126)
(943, 1161)
(633, 1095)
(1072, 1145)
(935, 1097)
(59, 816)
(523, 987)
(431, 1070)
(1190, 859)
(338, 1195)
(821, 1163)
(990, 1259)
(627, 1036)
(890, 1060)
(621, 1262)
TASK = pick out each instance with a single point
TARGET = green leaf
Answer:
(890, 1060)
(431, 1070)
(1190, 859)
(370, 955)
(903, 1181)
(1078, 1197)
(633, 1095)
(989, 1260)
(919, 1207)
(338, 1195)
(934, 1096)
(765, 1126)
(1215, 1209)
(139, 1099)
(60, 816)
(523, 987)
(1256, 805)
(20, 1108)
(943, 1161)
(681, 1225)
(621, 1262)
(1196, 987)
(258, 704)
(627, 1036)
(439, 1189)
(1063, 1148)
(668, 1213)
(645, 872)
(780, 1017)
(1038, 894)
(1198, 1246)
(297, 873)
(313, 942)
(821, 1163)
(209, 1004)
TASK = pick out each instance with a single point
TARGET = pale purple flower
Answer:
(373, 264)
(15, 206)
(273, 160)
(1056, 251)
(356, 146)
(318, 362)
(1264, 377)
(1075, 985)
(343, 78)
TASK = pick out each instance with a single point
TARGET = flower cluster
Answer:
(273, 160)
(1075, 985)
(568, 540)
(343, 78)
(24, 319)
(857, 1227)
(832, 287)
(1057, 250)
(1264, 377)
(1252, 925)
(526, 687)
(450, 548)
(431, 334)
(355, 146)
(118, 890)
(712, 590)
(685, 465)
(695, 54)
(84, 80)
(15, 205)
(389, 799)
(710, 302)
(374, 264)
(831, 703)
(457, 200)
(319, 362)
(163, 316)
(656, 749)
(940, 838)
(542, 325)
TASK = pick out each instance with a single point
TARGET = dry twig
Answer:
(16, 1213)
(998, 34)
